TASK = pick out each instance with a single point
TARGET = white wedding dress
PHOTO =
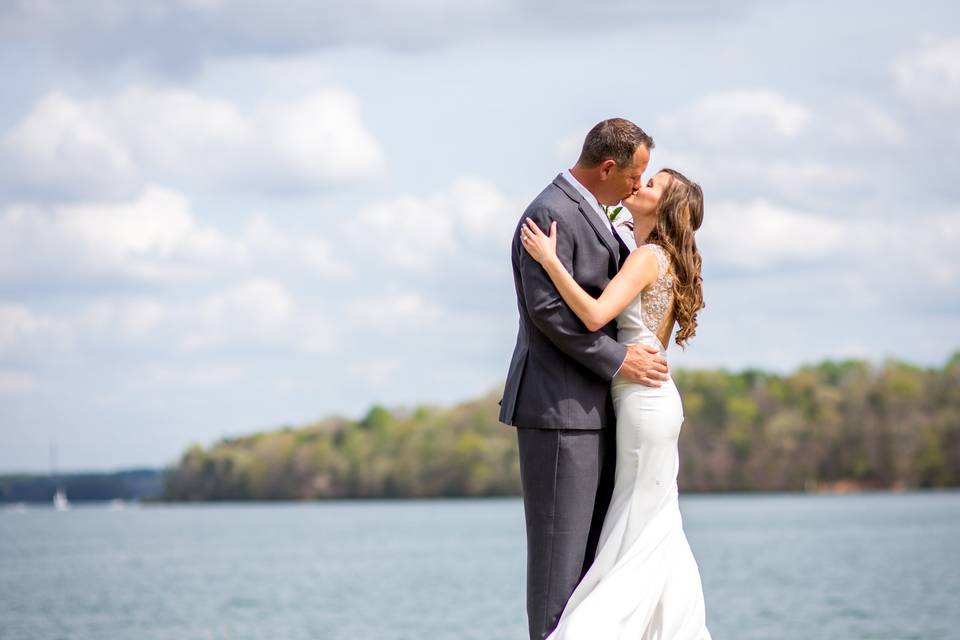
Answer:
(644, 583)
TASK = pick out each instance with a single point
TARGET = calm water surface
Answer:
(773, 567)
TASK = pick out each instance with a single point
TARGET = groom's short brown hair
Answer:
(615, 139)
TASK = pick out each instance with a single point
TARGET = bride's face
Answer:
(644, 202)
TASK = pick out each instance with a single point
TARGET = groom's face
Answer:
(623, 183)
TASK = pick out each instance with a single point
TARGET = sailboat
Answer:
(60, 502)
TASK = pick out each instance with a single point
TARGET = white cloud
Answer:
(195, 376)
(738, 117)
(258, 309)
(862, 122)
(408, 232)
(910, 252)
(806, 157)
(938, 251)
(482, 212)
(154, 237)
(166, 129)
(211, 6)
(930, 77)
(309, 251)
(921, 251)
(25, 331)
(17, 323)
(251, 315)
(415, 233)
(376, 372)
(119, 322)
(390, 314)
(14, 382)
(108, 148)
(64, 148)
(760, 234)
(176, 37)
(794, 178)
(567, 150)
(320, 139)
(256, 314)
(158, 226)
(732, 141)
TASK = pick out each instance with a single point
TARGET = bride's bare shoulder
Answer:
(651, 247)
(643, 262)
(655, 252)
(644, 253)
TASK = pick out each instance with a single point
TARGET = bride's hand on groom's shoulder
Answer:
(540, 246)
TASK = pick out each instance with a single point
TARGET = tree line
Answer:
(837, 423)
(93, 486)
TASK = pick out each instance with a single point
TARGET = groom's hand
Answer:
(643, 365)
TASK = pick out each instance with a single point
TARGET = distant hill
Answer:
(132, 484)
(837, 424)
(428, 451)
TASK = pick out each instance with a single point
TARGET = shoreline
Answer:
(831, 489)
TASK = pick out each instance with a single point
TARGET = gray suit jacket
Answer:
(560, 373)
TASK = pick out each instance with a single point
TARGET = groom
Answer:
(557, 392)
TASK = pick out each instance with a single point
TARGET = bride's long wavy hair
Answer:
(679, 215)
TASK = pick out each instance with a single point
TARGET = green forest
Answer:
(848, 423)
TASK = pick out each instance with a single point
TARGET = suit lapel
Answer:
(587, 211)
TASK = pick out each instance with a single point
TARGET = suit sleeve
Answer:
(593, 349)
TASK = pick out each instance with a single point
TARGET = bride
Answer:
(644, 582)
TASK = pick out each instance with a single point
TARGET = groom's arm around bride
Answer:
(557, 391)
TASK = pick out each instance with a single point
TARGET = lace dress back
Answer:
(642, 321)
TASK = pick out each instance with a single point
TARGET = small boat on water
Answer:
(60, 501)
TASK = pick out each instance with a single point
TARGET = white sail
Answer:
(60, 502)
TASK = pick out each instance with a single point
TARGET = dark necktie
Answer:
(624, 249)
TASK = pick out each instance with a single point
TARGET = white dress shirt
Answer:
(624, 232)
(589, 197)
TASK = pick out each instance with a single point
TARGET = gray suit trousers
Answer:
(567, 479)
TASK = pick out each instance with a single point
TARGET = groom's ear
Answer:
(606, 167)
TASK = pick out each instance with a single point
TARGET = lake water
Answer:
(774, 567)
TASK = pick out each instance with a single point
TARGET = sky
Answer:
(223, 217)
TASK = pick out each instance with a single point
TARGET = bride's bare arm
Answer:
(639, 270)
